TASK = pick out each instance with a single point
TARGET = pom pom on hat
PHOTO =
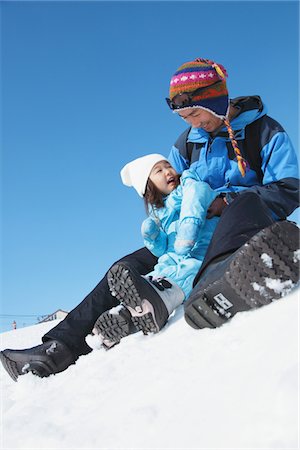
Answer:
(136, 173)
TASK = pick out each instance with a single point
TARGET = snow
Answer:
(297, 255)
(235, 387)
(278, 286)
(116, 309)
(259, 288)
(268, 261)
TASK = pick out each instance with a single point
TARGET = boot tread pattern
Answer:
(122, 286)
(112, 327)
(145, 323)
(249, 270)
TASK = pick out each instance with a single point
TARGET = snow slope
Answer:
(235, 387)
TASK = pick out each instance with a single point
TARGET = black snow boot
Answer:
(262, 270)
(150, 302)
(43, 360)
(113, 325)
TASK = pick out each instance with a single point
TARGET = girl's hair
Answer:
(153, 196)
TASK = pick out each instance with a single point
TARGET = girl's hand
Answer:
(155, 239)
(150, 229)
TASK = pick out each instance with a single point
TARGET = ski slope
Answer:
(235, 387)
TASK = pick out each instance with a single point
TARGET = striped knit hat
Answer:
(202, 74)
(210, 79)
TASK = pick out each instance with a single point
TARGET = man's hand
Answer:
(217, 207)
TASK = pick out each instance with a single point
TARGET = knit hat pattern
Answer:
(202, 73)
(136, 173)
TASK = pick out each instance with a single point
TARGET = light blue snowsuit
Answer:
(179, 233)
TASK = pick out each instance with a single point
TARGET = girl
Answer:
(176, 231)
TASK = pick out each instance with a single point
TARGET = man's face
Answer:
(164, 177)
(200, 118)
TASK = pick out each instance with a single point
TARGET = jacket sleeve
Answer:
(155, 239)
(196, 198)
(280, 183)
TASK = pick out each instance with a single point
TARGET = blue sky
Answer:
(83, 88)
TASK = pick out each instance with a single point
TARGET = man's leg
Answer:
(66, 342)
(247, 251)
(241, 220)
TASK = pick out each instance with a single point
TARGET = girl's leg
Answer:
(146, 301)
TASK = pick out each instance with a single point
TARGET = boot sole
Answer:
(122, 286)
(9, 366)
(112, 328)
(249, 279)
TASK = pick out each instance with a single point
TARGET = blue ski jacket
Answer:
(179, 232)
(273, 167)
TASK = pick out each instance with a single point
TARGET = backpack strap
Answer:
(188, 150)
(253, 147)
(184, 147)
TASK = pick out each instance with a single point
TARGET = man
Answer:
(246, 156)
(249, 159)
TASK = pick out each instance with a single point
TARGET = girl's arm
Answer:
(196, 199)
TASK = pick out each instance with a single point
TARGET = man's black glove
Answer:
(217, 207)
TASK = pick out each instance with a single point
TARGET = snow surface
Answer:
(235, 387)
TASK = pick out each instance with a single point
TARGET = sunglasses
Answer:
(185, 99)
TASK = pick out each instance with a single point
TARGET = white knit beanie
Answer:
(136, 173)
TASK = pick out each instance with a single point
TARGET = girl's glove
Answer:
(155, 239)
(150, 229)
(186, 237)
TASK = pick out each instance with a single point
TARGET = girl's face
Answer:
(164, 177)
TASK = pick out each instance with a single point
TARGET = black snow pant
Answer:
(80, 321)
(241, 220)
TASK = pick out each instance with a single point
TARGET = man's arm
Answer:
(280, 183)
